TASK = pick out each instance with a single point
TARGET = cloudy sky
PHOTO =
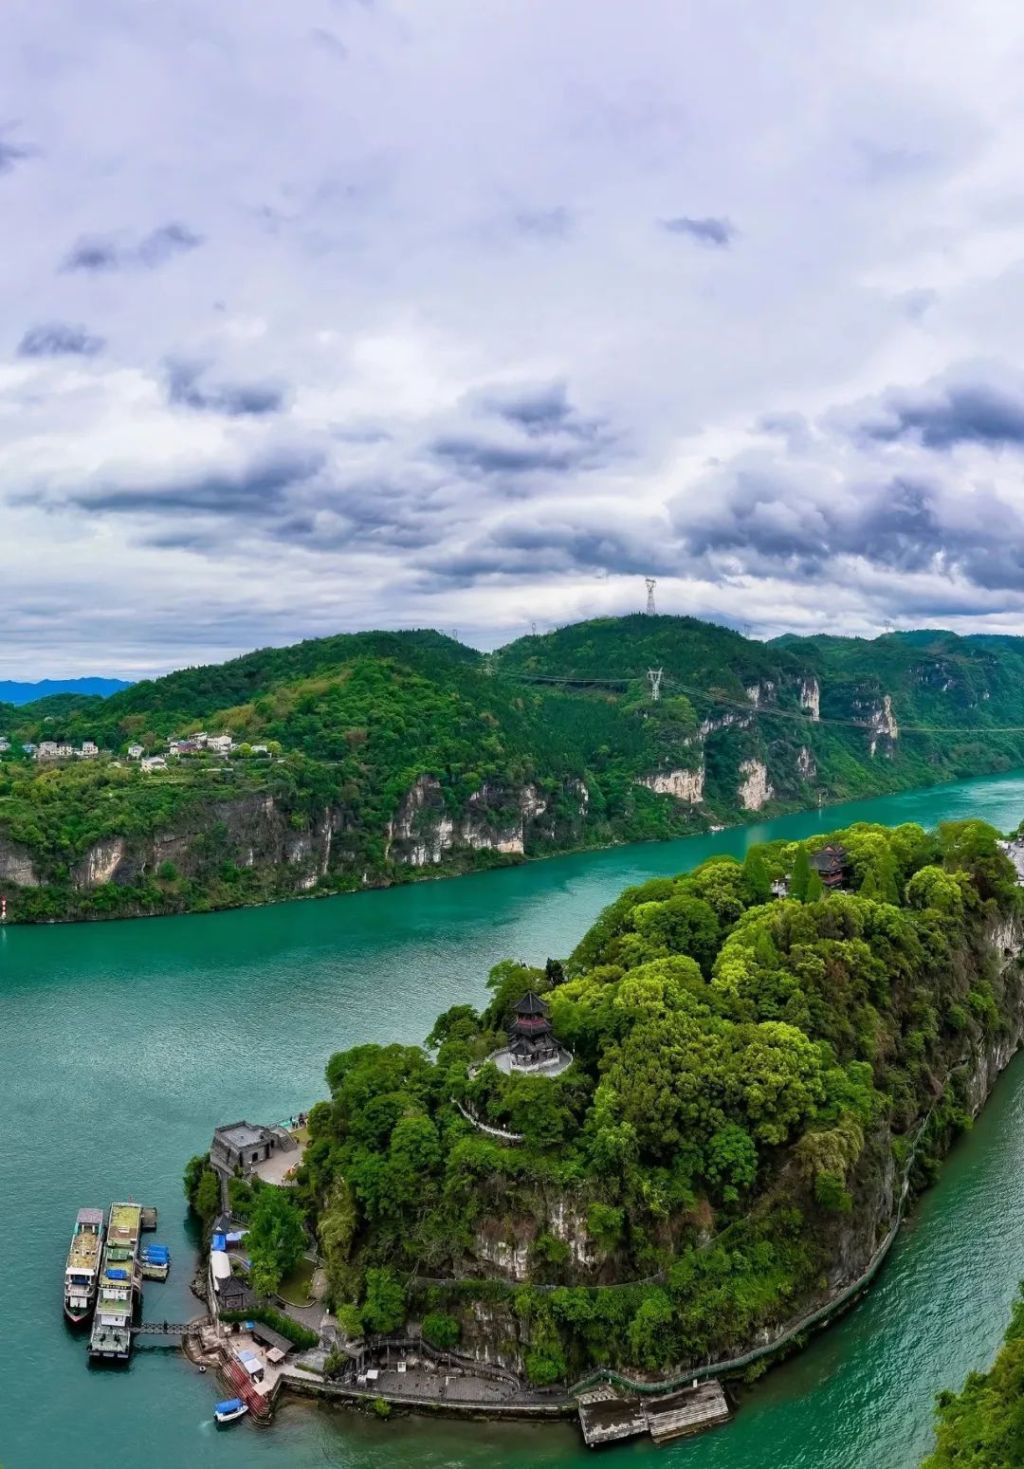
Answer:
(337, 314)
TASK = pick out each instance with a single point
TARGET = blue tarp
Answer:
(229, 1405)
(156, 1252)
(218, 1242)
(117, 1274)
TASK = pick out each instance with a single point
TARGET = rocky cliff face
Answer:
(16, 865)
(682, 785)
(755, 789)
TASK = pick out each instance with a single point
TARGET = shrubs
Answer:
(300, 1335)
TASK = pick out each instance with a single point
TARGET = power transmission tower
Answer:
(654, 679)
(651, 584)
(533, 629)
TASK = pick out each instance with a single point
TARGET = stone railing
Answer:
(498, 1133)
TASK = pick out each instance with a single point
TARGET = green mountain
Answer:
(13, 692)
(391, 754)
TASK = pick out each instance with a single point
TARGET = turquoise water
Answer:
(122, 1045)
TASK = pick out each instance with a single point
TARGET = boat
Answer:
(229, 1410)
(156, 1261)
(120, 1286)
(82, 1269)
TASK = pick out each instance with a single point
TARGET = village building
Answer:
(135, 752)
(89, 750)
(153, 762)
(221, 744)
(5, 744)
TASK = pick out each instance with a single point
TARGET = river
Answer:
(123, 1044)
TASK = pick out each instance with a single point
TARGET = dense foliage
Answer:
(353, 722)
(982, 1426)
(747, 1077)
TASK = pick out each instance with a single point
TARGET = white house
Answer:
(221, 744)
(135, 752)
(89, 750)
(153, 762)
(5, 744)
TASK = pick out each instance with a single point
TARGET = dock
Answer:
(609, 1415)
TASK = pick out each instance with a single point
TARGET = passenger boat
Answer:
(120, 1286)
(82, 1269)
(229, 1410)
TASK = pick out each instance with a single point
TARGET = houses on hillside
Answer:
(61, 750)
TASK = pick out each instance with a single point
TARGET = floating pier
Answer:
(608, 1415)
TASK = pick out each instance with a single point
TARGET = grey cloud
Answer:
(233, 400)
(257, 488)
(537, 408)
(524, 429)
(11, 154)
(60, 339)
(96, 253)
(713, 232)
(546, 224)
(958, 409)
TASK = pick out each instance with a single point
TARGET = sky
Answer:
(471, 314)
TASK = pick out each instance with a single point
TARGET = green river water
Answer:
(122, 1044)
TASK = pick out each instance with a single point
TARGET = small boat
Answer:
(155, 1261)
(82, 1269)
(229, 1410)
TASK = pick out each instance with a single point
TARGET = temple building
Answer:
(531, 1040)
(831, 864)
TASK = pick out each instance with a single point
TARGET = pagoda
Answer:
(531, 1040)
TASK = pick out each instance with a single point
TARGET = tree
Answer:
(756, 876)
(384, 1307)
(801, 874)
(815, 887)
(276, 1238)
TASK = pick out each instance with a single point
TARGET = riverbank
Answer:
(262, 887)
(234, 1015)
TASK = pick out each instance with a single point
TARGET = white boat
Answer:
(229, 1410)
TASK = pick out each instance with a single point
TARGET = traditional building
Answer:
(831, 863)
(531, 1040)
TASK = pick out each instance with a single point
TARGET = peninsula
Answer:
(671, 1154)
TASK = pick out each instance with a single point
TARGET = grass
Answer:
(294, 1288)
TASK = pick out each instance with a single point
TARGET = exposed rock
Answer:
(16, 865)
(810, 698)
(882, 723)
(806, 766)
(101, 863)
(756, 788)
(762, 692)
(684, 785)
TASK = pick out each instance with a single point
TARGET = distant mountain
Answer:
(29, 693)
(375, 757)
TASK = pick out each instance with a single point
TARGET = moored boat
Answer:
(83, 1265)
(120, 1286)
(156, 1261)
(229, 1410)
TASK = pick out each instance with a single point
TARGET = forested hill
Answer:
(382, 754)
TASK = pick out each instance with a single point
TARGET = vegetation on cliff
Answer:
(982, 1426)
(407, 750)
(750, 1079)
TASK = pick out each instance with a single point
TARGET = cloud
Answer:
(256, 487)
(60, 339)
(546, 224)
(11, 154)
(716, 233)
(453, 374)
(232, 399)
(96, 253)
(950, 411)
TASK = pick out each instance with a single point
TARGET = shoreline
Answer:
(506, 862)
